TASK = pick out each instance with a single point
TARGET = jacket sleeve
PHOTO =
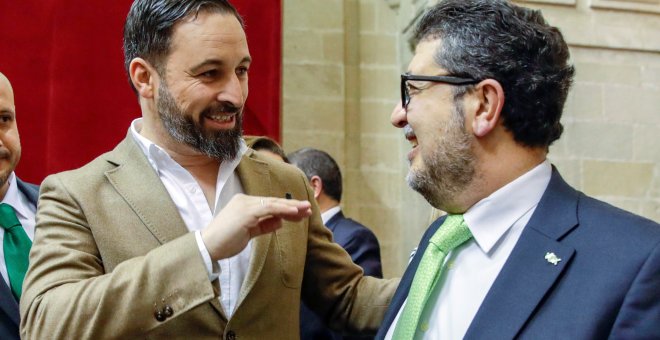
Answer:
(363, 247)
(68, 293)
(639, 316)
(336, 289)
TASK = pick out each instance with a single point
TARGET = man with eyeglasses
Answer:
(521, 254)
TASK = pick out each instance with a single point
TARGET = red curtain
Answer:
(73, 102)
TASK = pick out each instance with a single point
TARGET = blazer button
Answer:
(168, 311)
(231, 335)
(160, 317)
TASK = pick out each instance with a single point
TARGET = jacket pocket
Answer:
(291, 241)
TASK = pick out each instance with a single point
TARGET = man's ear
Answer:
(317, 186)
(143, 76)
(491, 97)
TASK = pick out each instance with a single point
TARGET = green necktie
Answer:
(452, 233)
(16, 246)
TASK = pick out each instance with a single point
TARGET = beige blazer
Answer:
(111, 250)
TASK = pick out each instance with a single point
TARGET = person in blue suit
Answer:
(521, 254)
(325, 178)
(17, 198)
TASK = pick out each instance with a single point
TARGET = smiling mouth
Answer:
(222, 118)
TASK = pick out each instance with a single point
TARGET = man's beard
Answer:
(449, 167)
(13, 161)
(220, 145)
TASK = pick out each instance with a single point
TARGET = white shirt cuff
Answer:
(211, 267)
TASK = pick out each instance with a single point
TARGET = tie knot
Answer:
(452, 233)
(8, 217)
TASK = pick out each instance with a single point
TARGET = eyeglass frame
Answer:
(451, 80)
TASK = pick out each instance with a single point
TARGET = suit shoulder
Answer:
(94, 169)
(280, 169)
(616, 221)
(353, 227)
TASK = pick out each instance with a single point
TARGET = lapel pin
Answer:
(552, 258)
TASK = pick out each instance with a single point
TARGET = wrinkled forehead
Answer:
(423, 62)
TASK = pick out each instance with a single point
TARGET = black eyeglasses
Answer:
(451, 80)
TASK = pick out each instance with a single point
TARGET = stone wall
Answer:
(342, 60)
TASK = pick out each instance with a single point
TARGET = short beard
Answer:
(450, 166)
(6, 154)
(220, 145)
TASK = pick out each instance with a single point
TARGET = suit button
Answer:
(160, 317)
(168, 311)
(231, 335)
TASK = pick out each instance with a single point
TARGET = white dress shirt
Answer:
(25, 211)
(195, 212)
(330, 213)
(496, 223)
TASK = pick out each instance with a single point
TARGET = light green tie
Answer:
(452, 233)
(16, 246)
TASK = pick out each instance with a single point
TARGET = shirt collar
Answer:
(491, 218)
(13, 198)
(330, 213)
(159, 158)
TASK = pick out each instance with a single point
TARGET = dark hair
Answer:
(148, 27)
(495, 39)
(265, 143)
(314, 162)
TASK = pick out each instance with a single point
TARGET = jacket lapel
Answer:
(136, 181)
(30, 191)
(255, 179)
(7, 302)
(527, 276)
(406, 281)
(138, 184)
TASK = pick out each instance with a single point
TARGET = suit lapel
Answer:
(138, 184)
(30, 191)
(255, 179)
(7, 302)
(527, 277)
(136, 181)
(406, 281)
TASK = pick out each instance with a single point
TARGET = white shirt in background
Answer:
(25, 211)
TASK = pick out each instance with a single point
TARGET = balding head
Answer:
(10, 143)
(5, 86)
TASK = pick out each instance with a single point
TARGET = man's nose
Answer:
(398, 117)
(232, 92)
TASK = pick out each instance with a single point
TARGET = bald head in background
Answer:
(18, 205)
(10, 143)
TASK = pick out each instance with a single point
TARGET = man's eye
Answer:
(209, 74)
(5, 119)
(412, 89)
(241, 71)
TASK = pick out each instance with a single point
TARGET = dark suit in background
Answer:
(606, 286)
(9, 317)
(362, 245)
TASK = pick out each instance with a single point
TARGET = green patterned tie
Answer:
(452, 233)
(16, 246)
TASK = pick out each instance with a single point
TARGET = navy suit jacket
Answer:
(607, 284)
(362, 245)
(9, 317)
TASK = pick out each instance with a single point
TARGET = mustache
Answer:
(224, 108)
(408, 131)
(4, 153)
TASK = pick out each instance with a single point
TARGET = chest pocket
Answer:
(291, 243)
